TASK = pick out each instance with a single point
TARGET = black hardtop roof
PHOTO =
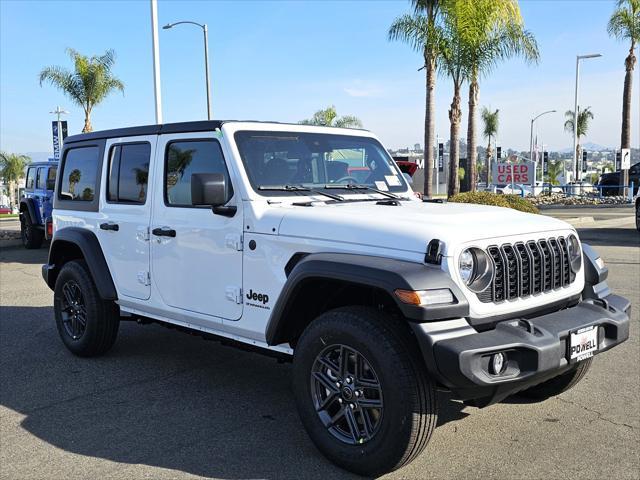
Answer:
(182, 127)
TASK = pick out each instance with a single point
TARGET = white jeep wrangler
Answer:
(307, 243)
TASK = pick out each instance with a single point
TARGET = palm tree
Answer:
(624, 24)
(494, 32)
(74, 179)
(12, 167)
(584, 117)
(142, 178)
(329, 118)
(421, 31)
(89, 83)
(491, 123)
(554, 171)
(454, 64)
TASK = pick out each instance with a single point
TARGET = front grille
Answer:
(528, 268)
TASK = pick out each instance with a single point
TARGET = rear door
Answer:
(126, 207)
(41, 196)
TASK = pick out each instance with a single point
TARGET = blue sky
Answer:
(283, 60)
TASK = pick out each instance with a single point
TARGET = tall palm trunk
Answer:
(489, 155)
(87, 121)
(429, 124)
(455, 115)
(625, 138)
(472, 154)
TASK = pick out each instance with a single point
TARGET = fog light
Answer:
(498, 363)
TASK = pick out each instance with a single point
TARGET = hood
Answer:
(411, 225)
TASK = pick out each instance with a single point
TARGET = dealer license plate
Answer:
(583, 343)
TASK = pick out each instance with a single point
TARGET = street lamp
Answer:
(535, 163)
(575, 111)
(206, 57)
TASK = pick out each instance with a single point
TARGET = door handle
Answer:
(164, 232)
(114, 227)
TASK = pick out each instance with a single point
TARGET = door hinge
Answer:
(144, 278)
(234, 240)
(234, 294)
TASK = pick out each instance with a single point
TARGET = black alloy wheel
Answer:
(347, 394)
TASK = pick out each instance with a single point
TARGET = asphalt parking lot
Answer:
(163, 404)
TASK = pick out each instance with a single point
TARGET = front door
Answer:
(126, 204)
(195, 254)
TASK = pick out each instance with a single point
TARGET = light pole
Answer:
(535, 163)
(206, 58)
(155, 50)
(575, 111)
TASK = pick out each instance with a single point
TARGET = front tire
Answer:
(87, 324)
(557, 385)
(32, 237)
(362, 390)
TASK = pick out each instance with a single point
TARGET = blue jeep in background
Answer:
(37, 203)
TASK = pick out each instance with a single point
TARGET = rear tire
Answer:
(557, 385)
(394, 402)
(32, 236)
(87, 324)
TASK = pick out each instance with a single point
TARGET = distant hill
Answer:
(589, 146)
(39, 156)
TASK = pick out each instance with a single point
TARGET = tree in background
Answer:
(12, 167)
(88, 84)
(421, 30)
(490, 122)
(329, 118)
(624, 24)
(584, 117)
(554, 171)
(74, 179)
(493, 32)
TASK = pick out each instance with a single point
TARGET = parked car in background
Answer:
(5, 209)
(611, 183)
(36, 203)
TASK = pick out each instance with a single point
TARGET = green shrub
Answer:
(497, 200)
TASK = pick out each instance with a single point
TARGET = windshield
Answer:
(315, 160)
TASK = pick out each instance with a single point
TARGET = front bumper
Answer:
(537, 349)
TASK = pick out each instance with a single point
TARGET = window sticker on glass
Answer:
(382, 186)
(392, 180)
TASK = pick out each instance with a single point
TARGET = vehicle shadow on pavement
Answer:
(159, 398)
(18, 254)
(610, 237)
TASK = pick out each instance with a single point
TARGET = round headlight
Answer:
(575, 255)
(466, 265)
(476, 269)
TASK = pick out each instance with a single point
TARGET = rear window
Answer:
(42, 181)
(128, 173)
(79, 174)
(31, 176)
(51, 178)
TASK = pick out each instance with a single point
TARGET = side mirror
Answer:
(408, 178)
(211, 189)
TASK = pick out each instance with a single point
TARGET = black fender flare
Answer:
(30, 207)
(387, 274)
(88, 244)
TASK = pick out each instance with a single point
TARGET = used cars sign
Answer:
(513, 173)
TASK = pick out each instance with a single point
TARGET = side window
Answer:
(41, 182)
(51, 178)
(184, 158)
(128, 173)
(79, 174)
(31, 176)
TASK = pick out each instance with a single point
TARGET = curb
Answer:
(579, 207)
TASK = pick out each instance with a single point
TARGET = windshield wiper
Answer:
(299, 188)
(358, 186)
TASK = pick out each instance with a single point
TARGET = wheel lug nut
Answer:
(352, 406)
(339, 400)
(338, 384)
(358, 393)
(349, 380)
